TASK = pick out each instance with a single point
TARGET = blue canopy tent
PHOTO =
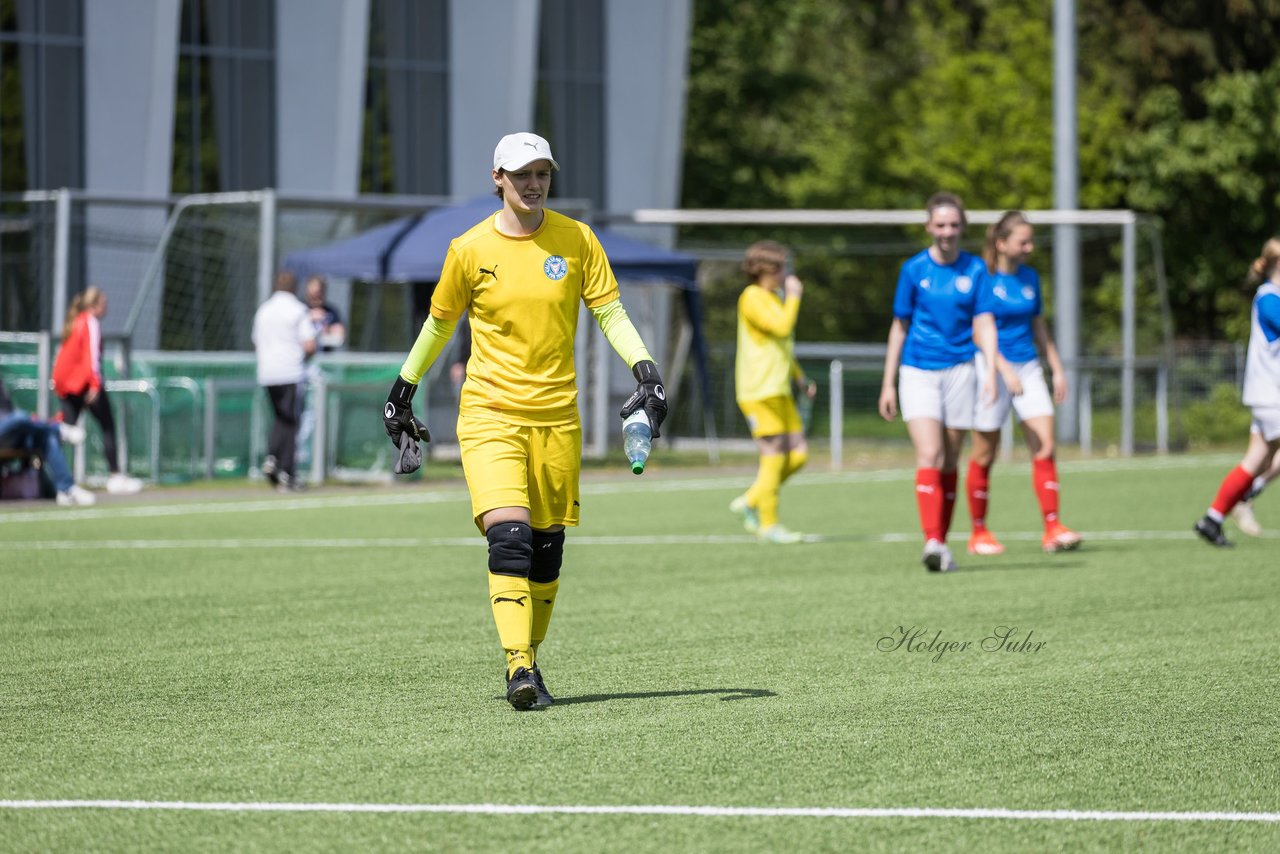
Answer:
(413, 249)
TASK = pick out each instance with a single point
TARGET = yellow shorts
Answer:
(513, 465)
(773, 416)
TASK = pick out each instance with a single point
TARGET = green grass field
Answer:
(337, 648)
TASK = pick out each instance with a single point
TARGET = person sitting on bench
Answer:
(43, 439)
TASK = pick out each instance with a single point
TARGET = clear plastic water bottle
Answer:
(637, 440)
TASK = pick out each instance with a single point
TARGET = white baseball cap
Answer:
(517, 150)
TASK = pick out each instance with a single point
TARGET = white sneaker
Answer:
(72, 434)
(76, 496)
(1245, 520)
(122, 484)
(780, 534)
(937, 557)
(750, 518)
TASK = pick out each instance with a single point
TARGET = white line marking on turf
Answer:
(196, 508)
(620, 485)
(661, 809)
(586, 540)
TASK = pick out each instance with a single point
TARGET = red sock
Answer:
(1234, 486)
(1044, 477)
(949, 480)
(929, 500)
(978, 484)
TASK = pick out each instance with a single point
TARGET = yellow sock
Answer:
(795, 462)
(510, 598)
(544, 601)
(768, 481)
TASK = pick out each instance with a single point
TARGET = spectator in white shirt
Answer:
(284, 339)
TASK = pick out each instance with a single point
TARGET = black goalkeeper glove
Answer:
(403, 428)
(649, 396)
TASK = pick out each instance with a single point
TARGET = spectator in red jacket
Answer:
(77, 380)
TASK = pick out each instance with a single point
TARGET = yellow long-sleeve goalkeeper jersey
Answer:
(766, 341)
(521, 295)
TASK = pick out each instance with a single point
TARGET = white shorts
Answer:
(1034, 402)
(947, 395)
(1266, 422)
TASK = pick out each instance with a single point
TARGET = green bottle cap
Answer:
(637, 467)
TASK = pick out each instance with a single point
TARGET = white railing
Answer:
(871, 357)
(41, 359)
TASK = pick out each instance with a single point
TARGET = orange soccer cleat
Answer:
(984, 542)
(1060, 538)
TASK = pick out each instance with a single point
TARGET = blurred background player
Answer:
(942, 305)
(764, 373)
(78, 382)
(519, 276)
(1023, 338)
(1261, 393)
(283, 340)
(331, 334)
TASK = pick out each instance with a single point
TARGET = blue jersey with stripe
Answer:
(1016, 304)
(940, 301)
(1262, 360)
(1269, 317)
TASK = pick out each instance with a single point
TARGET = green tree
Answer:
(1216, 181)
(752, 94)
(807, 103)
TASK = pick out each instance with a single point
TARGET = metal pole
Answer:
(153, 395)
(1086, 413)
(1066, 239)
(1128, 339)
(256, 431)
(210, 424)
(836, 439)
(61, 259)
(1162, 408)
(320, 434)
(266, 244)
(43, 350)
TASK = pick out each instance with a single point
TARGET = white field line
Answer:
(478, 541)
(609, 487)
(662, 809)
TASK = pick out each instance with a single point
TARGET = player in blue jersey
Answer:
(941, 307)
(1261, 393)
(1023, 338)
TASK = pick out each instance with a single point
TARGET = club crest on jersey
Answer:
(1028, 292)
(964, 284)
(555, 267)
(1000, 292)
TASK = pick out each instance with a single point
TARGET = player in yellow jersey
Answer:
(519, 277)
(764, 372)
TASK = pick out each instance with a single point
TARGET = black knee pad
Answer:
(510, 548)
(548, 553)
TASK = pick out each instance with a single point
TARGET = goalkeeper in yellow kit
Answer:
(764, 373)
(519, 277)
